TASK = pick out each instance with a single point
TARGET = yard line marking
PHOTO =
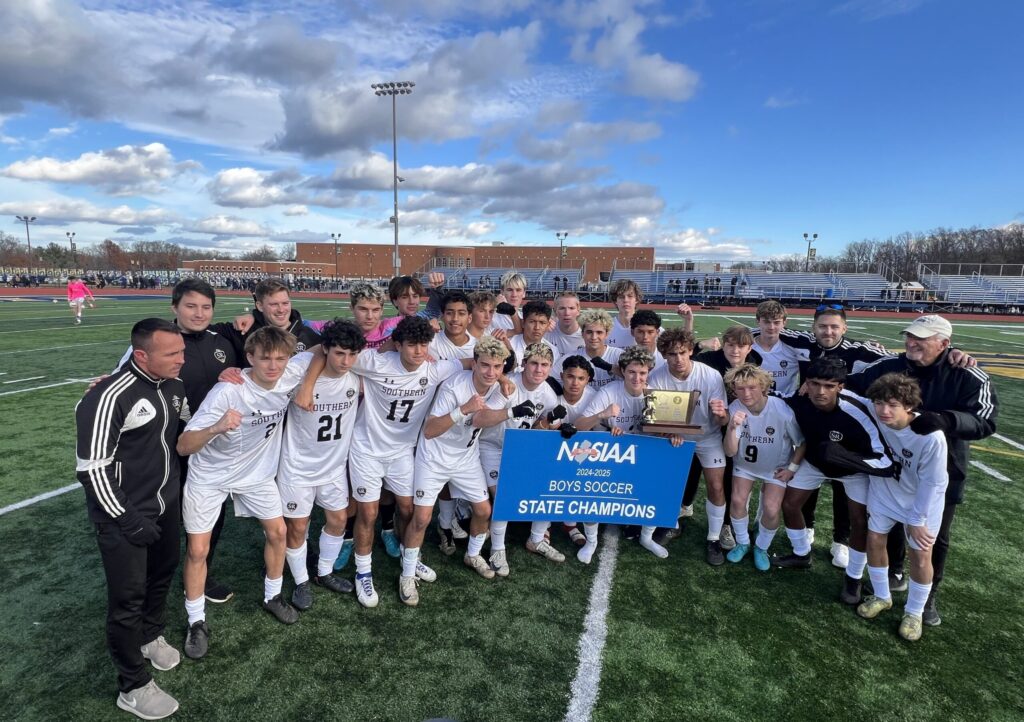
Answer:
(58, 348)
(997, 452)
(990, 471)
(1011, 442)
(18, 381)
(48, 386)
(585, 685)
(41, 497)
(64, 328)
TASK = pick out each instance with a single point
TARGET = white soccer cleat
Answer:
(366, 595)
(840, 555)
(457, 531)
(499, 563)
(425, 573)
(479, 565)
(543, 548)
(685, 510)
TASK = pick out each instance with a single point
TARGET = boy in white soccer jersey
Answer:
(536, 319)
(533, 397)
(778, 359)
(481, 314)
(314, 462)
(566, 336)
(681, 373)
(447, 454)
(596, 324)
(646, 325)
(513, 293)
(626, 295)
(619, 407)
(916, 498)
(455, 342)
(234, 441)
(760, 439)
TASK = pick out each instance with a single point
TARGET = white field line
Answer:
(586, 684)
(41, 497)
(990, 471)
(48, 386)
(1011, 442)
(59, 348)
(28, 378)
(64, 328)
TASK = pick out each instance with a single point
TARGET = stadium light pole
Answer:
(561, 236)
(74, 248)
(394, 90)
(28, 239)
(335, 237)
(807, 261)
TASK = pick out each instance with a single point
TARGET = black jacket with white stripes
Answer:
(127, 432)
(857, 355)
(966, 394)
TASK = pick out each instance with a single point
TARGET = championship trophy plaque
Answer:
(670, 413)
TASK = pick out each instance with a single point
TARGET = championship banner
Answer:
(592, 477)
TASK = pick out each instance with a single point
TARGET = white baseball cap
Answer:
(928, 326)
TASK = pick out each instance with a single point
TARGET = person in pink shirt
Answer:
(78, 295)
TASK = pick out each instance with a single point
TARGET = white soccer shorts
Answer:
(370, 474)
(490, 463)
(76, 302)
(747, 474)
(856, 487)
(297, 501)
(883, 517)
(465, 483)
(201, 505)
(710, 451)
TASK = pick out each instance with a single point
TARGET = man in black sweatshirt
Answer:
(126, 460)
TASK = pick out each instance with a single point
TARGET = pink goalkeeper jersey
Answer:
(374, 339)
(77, 289)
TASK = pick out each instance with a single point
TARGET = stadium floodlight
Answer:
(26, 220)
(335, 237)
(561, 236)
(74, 248)
(394, 89)
(807, 261)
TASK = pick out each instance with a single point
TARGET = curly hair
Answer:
(343, 334)
(490, 347)
(365, 291)
(636, 355)
(676, 337)
(897, 387)
(539, 349)
(413, 329)
(645, 317)
(578, 362)
(595, 316)
(748, 372)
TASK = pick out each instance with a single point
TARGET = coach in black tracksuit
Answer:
(960, 402)
(127, 432)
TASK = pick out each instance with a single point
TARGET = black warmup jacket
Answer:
(843, 441)
(305, 336)
(718, 361)
(966, 394)
(857, 355)
(127, 431)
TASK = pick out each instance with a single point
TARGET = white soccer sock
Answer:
(741, 529)
(498, 529)
(363, 563)
(917, 597)
(879, 577)
(297, 563)
(330, 547)
(798, 538)
(590, 532)
(765, 536)
(716, 517)
(648, 543)
(855, 567)
(586, 552)
(537, 530)
(272, 587)
(196, 609)
(476, 545)
(409, 559)
(445, 512)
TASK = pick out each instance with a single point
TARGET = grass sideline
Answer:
(684, 640)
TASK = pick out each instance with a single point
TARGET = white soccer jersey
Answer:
(519, 348)
(316, 443)
(620, 336)
(249, 454)
(766, 439)
(565, 343)
(543, 398)
(574, 411)
(920, 493)
(601, 377)
(501, 321)
(631, 408)
(395, 402)
(702, 378)
(783, 363)
(456, 447)
(442, 348)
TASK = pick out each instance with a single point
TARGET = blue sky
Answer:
(716, 130)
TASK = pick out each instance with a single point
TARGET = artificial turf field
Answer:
(684, 640)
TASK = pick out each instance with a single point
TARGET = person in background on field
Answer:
(78, 295)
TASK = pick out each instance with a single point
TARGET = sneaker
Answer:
(148, 702)
(216, 592)
(910, 628)
(930, 616)
(457, 531)
(792, 561)
(761, 560)
(344, 555)
(737, 553)
(425, 573)
(282, 610)
(161, 654)
(334, 583)
(543, 548)
(726, 539)
(685, 510)
(408, 594)
(872, 606)
(851, 592)
(481, 566)
(897, 582)
(576, 536)
(366, 595)
(447, 544)
(302, 597)
(840, 555)
(713, 554)
(391, 544)
(499, 563)
(197, 640)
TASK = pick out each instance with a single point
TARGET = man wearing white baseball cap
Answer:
(960, 402)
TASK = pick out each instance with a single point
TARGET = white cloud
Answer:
(222, 225)
(296, 210)
(442, 225)
(71, 210)
(869, 10)
(585, 137)
(786, 99)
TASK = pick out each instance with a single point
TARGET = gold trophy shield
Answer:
(670, 413)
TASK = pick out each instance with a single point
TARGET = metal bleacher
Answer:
(810, 286)
(860, 286)
(538, 280)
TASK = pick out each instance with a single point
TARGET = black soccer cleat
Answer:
(792, 561)
(664, 535)
(282, 610)
(631, 532)
(216, 592)
(851, 592)
(197, 640)
(302, 597)
(897, 582)
(714, 555)
(930, 615)
(334, 583)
